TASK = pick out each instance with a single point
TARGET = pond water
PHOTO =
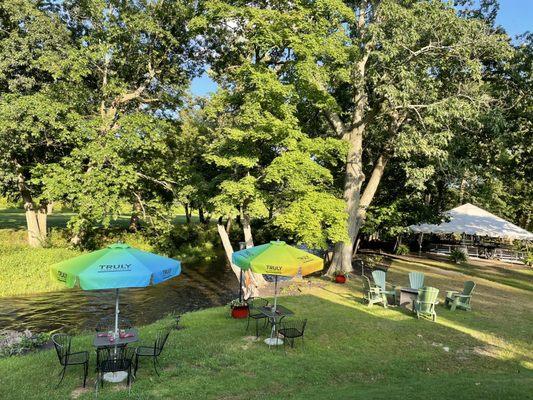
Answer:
(199, 286)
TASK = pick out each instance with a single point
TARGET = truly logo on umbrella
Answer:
(273, 268)
(305, 258)
(114, 267)
(61, 276)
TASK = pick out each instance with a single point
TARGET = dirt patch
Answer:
(79, 391)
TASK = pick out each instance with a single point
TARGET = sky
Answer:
(516, 16)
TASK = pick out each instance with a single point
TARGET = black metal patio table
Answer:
(274, 317)
(101, 341)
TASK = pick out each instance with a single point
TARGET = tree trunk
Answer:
(201, 215)
(35, 216)
(50, 207)
(247, 230)
(135, 216)
(249, 289)
(462, 188)
(342, 256)
(187, 213)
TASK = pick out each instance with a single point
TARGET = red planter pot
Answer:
(340, 279)
(239, 312)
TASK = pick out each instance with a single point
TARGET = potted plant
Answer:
(239, 309)
(340, 276)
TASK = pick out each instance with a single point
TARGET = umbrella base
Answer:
(115, 377)
(274, 341)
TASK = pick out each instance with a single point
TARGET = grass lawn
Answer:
(351, 351)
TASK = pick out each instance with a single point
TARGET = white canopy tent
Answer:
(472, 220)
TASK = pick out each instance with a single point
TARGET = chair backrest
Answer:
(114, 359)
(108, 324)
(257, 302)
(416, 280)
(469, 288)
(379, 278)
(427, 297)
(294, 323)
(62, 345)
(160, 340)
(366, 283)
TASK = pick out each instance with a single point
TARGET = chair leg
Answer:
(62, 376)
(136, 365)
(85, 372)
(257, 329)
(155, 366)
(247, 323)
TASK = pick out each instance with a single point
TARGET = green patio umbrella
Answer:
(115, 267)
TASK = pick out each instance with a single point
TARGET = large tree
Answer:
(141, 58)
(38, 123)
(387, 77)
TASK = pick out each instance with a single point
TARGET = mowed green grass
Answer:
(351, 351)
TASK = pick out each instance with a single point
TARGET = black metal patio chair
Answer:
(255, 313)
(114, 360)
(107, 324)
(152, 351)
(62, 343)
(291, 329)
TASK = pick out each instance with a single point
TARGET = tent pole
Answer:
(116, 311)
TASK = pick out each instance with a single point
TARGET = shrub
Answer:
(16, 343)
(402, 249)
(458, 256)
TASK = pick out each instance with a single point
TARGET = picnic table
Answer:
(274, 317)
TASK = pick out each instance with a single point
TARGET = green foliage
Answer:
(24, 344)
(402, 249)
(458, 256)
(317, 220)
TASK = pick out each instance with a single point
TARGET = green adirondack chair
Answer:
(372, 294)
(455, 299)
(416, 280)
(380, 281)
(424, 305)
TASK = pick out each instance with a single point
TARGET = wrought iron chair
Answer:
(291, 329)
(255, 314)
(152, 351)
(62, 344)
(108, 324)
(113, 360)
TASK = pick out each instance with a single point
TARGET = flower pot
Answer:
(239, 312)
(340, 279)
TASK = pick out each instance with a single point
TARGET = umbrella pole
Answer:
(117, 311)
(275, 292)
(272, 340)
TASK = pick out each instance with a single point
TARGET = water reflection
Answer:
(197, 287)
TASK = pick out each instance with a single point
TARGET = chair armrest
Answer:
(462, 295)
